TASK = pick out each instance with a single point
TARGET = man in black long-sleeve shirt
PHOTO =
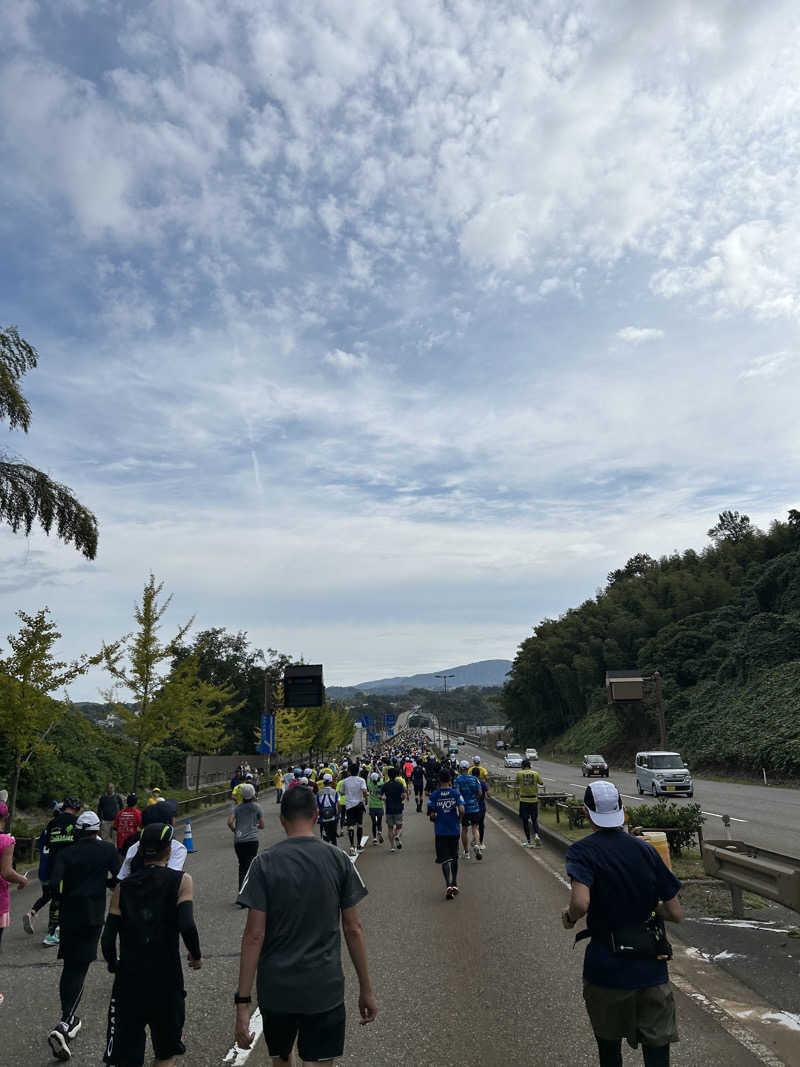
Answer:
(149, 910)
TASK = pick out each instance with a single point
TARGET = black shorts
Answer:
(471, 818)
(447, 847)
(319, 1037)
(354, 817)
(133, 1008)
(329, 828)
(79, 944)
(529, 808)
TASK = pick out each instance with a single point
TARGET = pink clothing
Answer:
(6, 841)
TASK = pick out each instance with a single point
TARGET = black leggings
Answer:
(611, 1054)
(376, 817)
(482, 825)
(43, 899)
(246, 852)
(529, 814)
(71, 987)
(450, 872)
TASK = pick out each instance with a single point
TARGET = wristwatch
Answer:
(237, 999)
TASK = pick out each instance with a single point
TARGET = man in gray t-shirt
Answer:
(298, 892)
(245, 821)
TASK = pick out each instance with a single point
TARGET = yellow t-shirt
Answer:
(528, 782)
(237, 794)
(482, 772)
(279, 780)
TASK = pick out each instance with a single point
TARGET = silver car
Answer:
(663, 774)
(512, 759)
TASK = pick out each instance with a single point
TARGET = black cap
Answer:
(155, 838)
(131, 799)
(161, 811)
(70, 802)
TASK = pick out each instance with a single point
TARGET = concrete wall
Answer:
(216, 769)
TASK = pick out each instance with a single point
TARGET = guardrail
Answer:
(752, 869)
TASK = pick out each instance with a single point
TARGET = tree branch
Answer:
(27, 494)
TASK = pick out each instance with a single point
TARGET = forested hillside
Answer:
(721, 626)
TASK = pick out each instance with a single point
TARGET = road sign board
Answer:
(371, 737)
(267, 742)
(366, 720)
(390, 720)
(390, 732)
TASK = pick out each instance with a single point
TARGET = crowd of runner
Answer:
(310, 887)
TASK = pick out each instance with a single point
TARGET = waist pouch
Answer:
(637, 941)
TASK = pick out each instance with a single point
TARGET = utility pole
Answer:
(660, 708)
(444, 678)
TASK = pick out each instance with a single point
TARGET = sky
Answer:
(383, 330)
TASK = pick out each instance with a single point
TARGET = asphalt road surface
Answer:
(760, 815)
(488, 978)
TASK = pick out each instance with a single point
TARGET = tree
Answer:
(28, 494)
(159, 710)
(28, 675)
(731, 527)
(636, 566)
(794, 518)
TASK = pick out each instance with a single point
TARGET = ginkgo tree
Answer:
(29, 674)
(166, 702)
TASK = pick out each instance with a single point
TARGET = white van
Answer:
(663, 774)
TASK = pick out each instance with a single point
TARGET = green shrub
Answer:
(667, 816)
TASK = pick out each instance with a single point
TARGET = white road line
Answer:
(715, 815)
(237, 1057)
(531, 853)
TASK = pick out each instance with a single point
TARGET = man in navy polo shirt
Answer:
(446, 808)
(620, 881)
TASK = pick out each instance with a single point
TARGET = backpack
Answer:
(327, 807)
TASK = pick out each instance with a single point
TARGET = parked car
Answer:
(531, 753)
(594, 765)
(512, 759)
(663, 774)
(500, 745)
(460, 741)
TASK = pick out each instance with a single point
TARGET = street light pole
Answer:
(660, 707)
(444, 678)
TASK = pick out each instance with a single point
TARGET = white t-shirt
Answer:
(177, 858)
(353, 789)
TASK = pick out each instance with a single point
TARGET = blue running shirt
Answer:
(470, 790)
(445, 803)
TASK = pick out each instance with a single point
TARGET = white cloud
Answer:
(346, 362)
(636, 335)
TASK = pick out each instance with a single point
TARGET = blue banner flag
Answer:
(372, 737)
(267, 742)
(390, 720)
(366, 720)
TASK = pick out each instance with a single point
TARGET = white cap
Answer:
(375, 776)
(327, 777)
(88, 820)
(476, 759)
(604, 804)
(464, 765)
(248, 791)
(308, 771)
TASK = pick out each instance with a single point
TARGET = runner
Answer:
(394, 795)
(327, 800)
(127, 822)
(354, 792)
(483, 774)
(148, 911)
(484, 792)
(528, 783)
(81, 874)
(418, 781)
(244, 822)
(278, 782)
(8, 876)
(445, 809)
(178, 853)
(374, 783)
(108, 807)
(299, 892)
(29, 918)
(60, 831)
(469, 788)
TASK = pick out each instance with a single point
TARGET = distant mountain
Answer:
(489, 672)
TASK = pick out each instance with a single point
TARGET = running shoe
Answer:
(51, 939)
(465, 856)
(478, 853)
(455, 890)
(29, 921)
(399, 843)
(73, 1026)
(537, 842)
(526, 844)
(449, 893)
(353, 851)
(374, 840)
(58, 1040)
(380, 839)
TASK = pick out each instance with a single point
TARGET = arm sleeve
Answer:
(108, 941)
(188, 930)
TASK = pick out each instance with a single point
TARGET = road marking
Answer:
(531, 853)
(715, 815)
(728, 1022)
(237, 1057)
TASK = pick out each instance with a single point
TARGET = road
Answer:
(488, 978)
(761, 815)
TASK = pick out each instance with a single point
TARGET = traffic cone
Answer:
(188, 843)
